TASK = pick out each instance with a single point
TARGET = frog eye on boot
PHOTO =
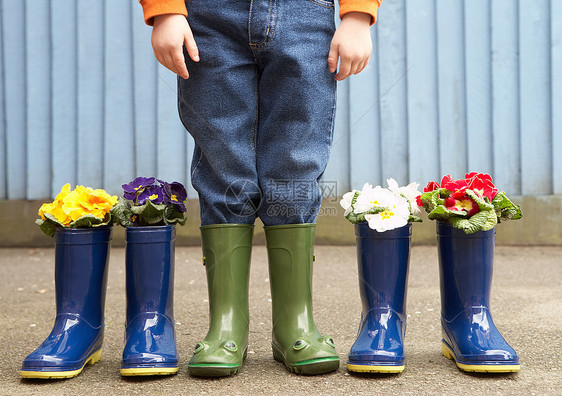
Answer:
(230, 346)
(200, 346)
(299, 344)
(330, 342)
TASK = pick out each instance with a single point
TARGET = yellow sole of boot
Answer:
(364, 368)
(479, 368)
(141, 371)
(94, 358)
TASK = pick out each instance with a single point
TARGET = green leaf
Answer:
(86, 221)
(432, 199)
(122, 213)
(354, 199)
(355, 218)
(149, 213)
(107, 220)
(352, 216)
(505, 208)
(411, 206)
(482, 221)
(47, 226)
(443, 214)
(482, 203)
(52, 218)
(174, 216)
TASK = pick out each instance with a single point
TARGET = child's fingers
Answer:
(348, 66)
(363, 66)
(344, 70)
(169, 61)
(178, 63)
(333, 57)
(357, 67)
(191, 45)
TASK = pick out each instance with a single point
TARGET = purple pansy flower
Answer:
(176, 194)
(151, 193)
(134, 188)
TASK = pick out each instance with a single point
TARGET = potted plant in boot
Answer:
(467, 211)
(382, 218)
(80, 223)
(150, 210)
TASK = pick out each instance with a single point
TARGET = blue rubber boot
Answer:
(383, 259)
(81, 257)
(150, 338)
(469, 334)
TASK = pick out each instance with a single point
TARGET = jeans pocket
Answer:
(323, 3)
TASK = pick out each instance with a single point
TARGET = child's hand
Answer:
(351, 44)
(170, 33)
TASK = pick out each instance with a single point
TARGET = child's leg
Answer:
(296, 110)
(218, 106)
(297, 104)
(277, 52)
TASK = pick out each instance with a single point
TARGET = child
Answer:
(258, 92)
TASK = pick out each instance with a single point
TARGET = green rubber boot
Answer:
(226, 250)
(296, 340)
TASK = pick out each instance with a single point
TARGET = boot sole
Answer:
(93, 358)
(142, 371)
(479, 368)
(368, 368)
(213, 370)
(308, 367)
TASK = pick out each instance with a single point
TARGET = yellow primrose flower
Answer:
(60, 215)
(87, 201)
(69, 206)
(103, 199)
(63, 193)
(55, 208)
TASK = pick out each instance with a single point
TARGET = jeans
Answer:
(260, 106)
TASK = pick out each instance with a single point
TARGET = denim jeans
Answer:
(260, 106)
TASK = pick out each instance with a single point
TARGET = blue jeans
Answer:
(260, 106)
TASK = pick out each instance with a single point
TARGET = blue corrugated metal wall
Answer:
(452, 86)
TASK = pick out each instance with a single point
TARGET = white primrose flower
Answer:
(410, 192)
(346, 202)
(372, 197)
(394, 216)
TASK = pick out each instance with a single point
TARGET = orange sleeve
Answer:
(367, 6)
(152, 8)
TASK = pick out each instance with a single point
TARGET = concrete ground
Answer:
(526, 304)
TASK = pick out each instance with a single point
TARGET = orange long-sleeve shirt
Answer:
(152, 8)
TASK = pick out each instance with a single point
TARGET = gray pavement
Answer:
(526, 304)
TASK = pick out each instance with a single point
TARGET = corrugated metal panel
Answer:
(505, 95)
(450, 88)
(89, 168)
(423, 108)
(64, 69)
(556, 72)
(3, 169)
(14, 98)
(38, 99)
(536, 99)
